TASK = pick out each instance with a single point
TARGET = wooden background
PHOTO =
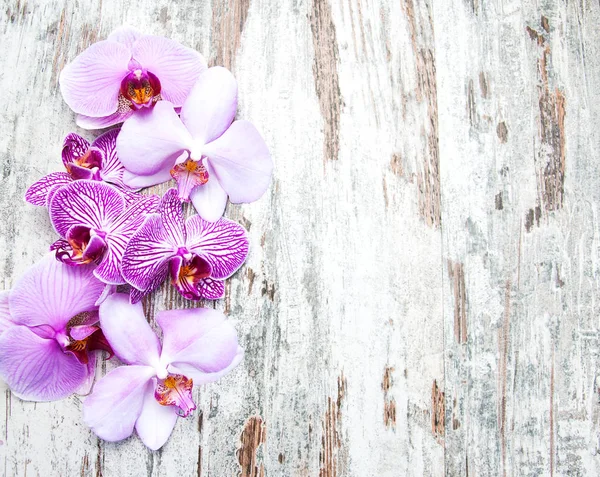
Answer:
(423, 287)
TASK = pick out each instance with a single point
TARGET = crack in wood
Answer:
(332, 458)
(253, 436)
(389, 403)
(456, 274)
(438, 412)
(229, 19)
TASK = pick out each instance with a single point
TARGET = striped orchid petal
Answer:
(38, 193)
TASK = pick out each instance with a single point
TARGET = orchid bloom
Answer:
(198, 255)
(97, 161)
(128, 72)
(210, 156)
(95, 226)
(49, 324)
(199, 346)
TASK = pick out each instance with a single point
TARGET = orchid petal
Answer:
(241, 161)
(38, 193)
(171, 213)
(90, 203)
(126, 329)
(151, 140)
(81, 332)
(90, 83)
(200, 338)
(74, 146)
(223, 244)
(201, 378)
(147, 253)
(79, 173)
(210, 108)
(108, 291)
(137, 182)
(156, 422)
(112, 169)
(116, 402)
(211, 289)
(126, 35)
(176, 66)
(86, 386)
(51, 293)
(89, 122)
(5, 318)
(209, 199)
(37, 369)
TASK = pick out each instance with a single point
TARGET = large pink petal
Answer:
(126, 35)
(152, 140)
(5, 318)
(129, 334)
(116, 402)
(199, 378)
(223, 244)
(37, 369)
(211, 105)
(156, 422)
(241, 161)
(176, 66)
(89, 122)
(90, 83)
(39, 191)
(52, 293)
(93, 204)
(209, 199)
(201, 339)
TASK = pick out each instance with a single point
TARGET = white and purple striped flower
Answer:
(97, 161)
(209, 154)
(199, 346)
(95, 226)
(125, 73)
(198, 255)
(49, 330)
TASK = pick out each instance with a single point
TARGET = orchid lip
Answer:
(175, 390)
(141, 88)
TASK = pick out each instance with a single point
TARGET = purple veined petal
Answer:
(79, 173)
(147, 254)
(51, 293)
(200, 377)
(176, 66)
(111, 169)
(210, 108)
(137, 182)
(74, 146)
(109, 270)
(129, 334)
(126, 35)
(38, 193)
(116, 402)
(37, 369)
(210, 199)
(131, 197)
(210, 289)
(223, 244)
(151, 140)
(171, 213)
(90, 203)
(5, 318)
(200, 338)
(156, 422)
(90, 83)
(241, 161)
(130, 220)
(89, 122)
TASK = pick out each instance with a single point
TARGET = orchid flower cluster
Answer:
(116, 244)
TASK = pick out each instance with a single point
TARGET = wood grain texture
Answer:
(420, 295)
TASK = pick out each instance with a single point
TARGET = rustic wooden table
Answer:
(420, 296)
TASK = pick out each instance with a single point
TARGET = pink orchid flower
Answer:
(125, 73)
(199, 346)
(97, 161)
(198, 255)
(49, 330)
(209, 154)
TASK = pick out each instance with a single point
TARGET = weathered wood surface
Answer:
(420, 298)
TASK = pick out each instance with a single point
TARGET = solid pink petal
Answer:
(198, 338)
(38, 193)
(5, 318)
(176, 66)
(126, 35)
(241, 161)
(52, 293)
(223, 244)
(37, 369)
(201, 378)
(89, 122)
(129, 334)
(211, 289)
(90, 83)
(209, 199)
(116, 403)
(152, 140)
(156, 422)
(211, 105)
(138, 182)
